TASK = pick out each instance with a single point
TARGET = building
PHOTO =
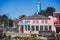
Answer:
(56, 16)
(37, 24)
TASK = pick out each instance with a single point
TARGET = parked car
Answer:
(48, 34)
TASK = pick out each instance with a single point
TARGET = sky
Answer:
(16, 8)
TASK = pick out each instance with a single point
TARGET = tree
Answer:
(43, 12)
(0, 19)
(4, 17)
(10, 22)
(22, 16)
(48, 12)
(35, 14)
(4, 20)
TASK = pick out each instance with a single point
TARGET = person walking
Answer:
(1, 36)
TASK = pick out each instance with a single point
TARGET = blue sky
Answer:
(15, 8)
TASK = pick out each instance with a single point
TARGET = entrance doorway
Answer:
(21, 29)
(57, 29)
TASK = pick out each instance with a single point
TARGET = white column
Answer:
(43, 27)
(35, 28)
(27, 27)
(48, 27)
(23, 28)
(30, 27)
(39, 28)
(19, 29)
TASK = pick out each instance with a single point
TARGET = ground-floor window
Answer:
(32, 28)
(50, 27)
(41, 27)
(37, 28)
(22, 28)
(26, 27)
(46, 27)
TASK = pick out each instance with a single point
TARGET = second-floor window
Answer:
(42, 21)
(21, 21)
(27, 21)
(46, 21)
(37, 21)
(33, 21)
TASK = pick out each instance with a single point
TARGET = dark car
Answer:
(49, 34)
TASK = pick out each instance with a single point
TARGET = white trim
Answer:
(56, 12)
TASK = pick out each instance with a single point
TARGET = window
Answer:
(28, 27)
(41, 27)
(37, 21)
(46, 27)
(33, 21)
(50, 27)
(59, 15)
(45, 21)
(42, 21)
(37, 28)
(27, 21)
(32, 28)
(21, 21)
(22, 28)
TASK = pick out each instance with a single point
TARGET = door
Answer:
(21, 29)
(57, 29)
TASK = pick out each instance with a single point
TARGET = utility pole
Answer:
(4, 18)
(8, 19)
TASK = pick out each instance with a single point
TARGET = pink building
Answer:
(36, 24)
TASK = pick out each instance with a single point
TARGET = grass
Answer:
(32, 37)
(21, 38)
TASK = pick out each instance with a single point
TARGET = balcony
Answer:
(23, 23)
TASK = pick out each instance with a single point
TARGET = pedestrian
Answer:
(1, 36)
(4, 36)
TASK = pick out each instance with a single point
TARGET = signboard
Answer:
(56, 18)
